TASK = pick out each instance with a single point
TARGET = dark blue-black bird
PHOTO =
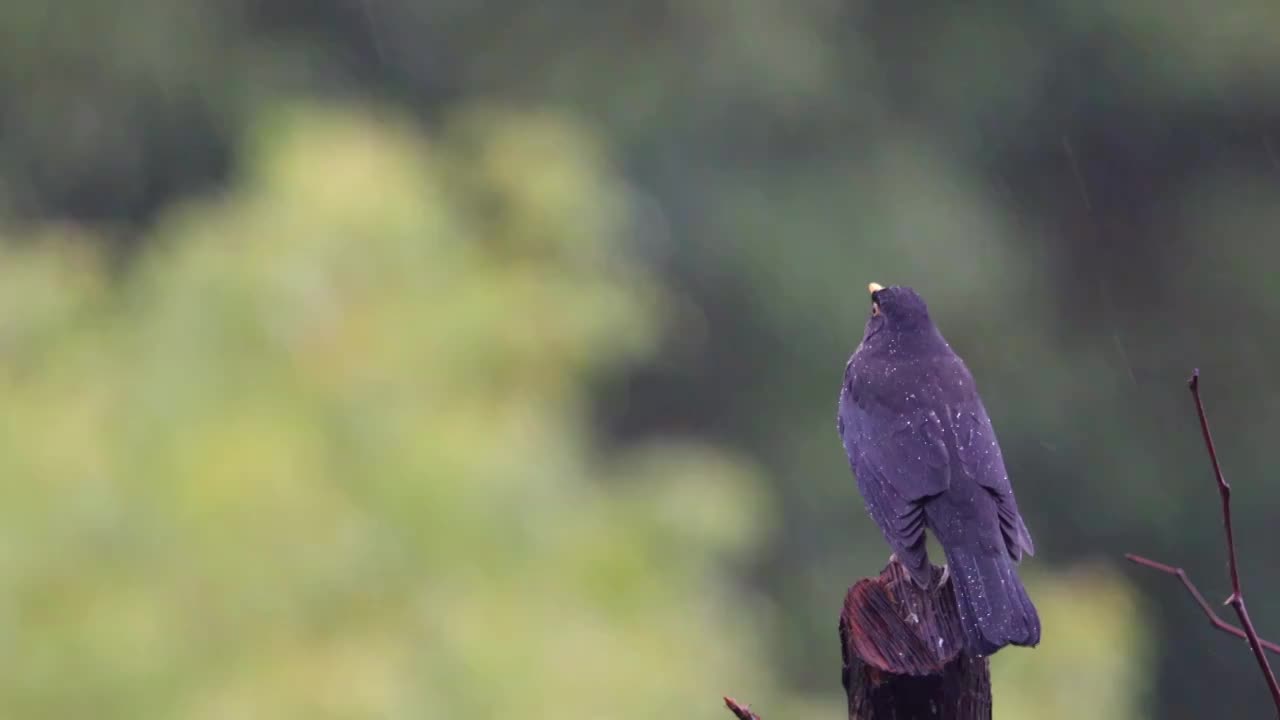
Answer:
(925, 455)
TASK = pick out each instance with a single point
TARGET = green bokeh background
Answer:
(386, 359)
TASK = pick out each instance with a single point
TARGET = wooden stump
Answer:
(902, 649)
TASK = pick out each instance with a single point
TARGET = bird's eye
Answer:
(875, 309)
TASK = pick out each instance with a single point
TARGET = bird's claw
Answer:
(896, 568)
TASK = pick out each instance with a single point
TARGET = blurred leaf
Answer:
(1093, 654)
(325, 452)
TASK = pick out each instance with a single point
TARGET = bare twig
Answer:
(1207, 609)
(742, 712)
(1236, 599)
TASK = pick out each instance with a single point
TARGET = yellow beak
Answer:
(874, 288)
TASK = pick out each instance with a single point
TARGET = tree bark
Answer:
(903, 653)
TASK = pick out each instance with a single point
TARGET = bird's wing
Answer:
(980, 459)
(900, 458)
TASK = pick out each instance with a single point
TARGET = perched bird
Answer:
(925, 456)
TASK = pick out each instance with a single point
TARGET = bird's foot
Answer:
(946, 575)
(895, 567)
(896, 570)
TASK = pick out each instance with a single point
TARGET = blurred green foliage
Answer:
(323, 453)
(1089, 612)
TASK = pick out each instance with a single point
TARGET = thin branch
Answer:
(1237, 597)
(1224, 488)
(1214, 620)
(742, 712)
(1236, 600)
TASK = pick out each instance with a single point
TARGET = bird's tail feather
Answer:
(995, 609)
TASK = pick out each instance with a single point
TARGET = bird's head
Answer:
(896, 309)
